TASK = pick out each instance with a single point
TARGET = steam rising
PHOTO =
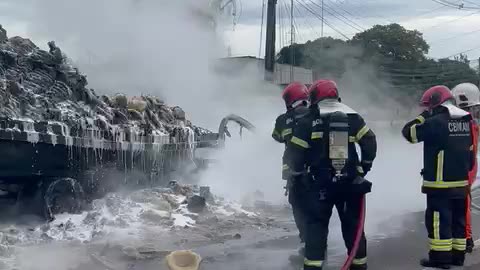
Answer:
(161, 47)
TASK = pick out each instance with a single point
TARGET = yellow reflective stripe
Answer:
(421, 119)
(436, 225)
(459, 241)
(459, 244)
(441, 242)
(445, 184)
(440, 158)
(276, 133)
(413, 134)
(361, 133)
(459, 247)
(440, 248)
(360, 169)
(313, 263)
(352, 139)
(300, 142)
(439, 181)
(285, 167)
(359, 261)
(317, 135)
(286, 132)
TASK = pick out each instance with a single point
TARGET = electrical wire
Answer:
(333, 10)
(305, 6)
(307, 22)
(469, 50)
(327, 9)
(345, 10)
(452, 37)
(454, 5)
(454, 20)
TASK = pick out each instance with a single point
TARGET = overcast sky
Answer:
(448, 30)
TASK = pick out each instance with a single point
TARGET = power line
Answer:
(335, 16)
(454, 20)
(469, 50)
(356, 24)
(360, 7)
(452, 37)
(301, 15)
(454, 5)
(305, 6)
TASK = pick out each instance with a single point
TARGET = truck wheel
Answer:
(63, 195)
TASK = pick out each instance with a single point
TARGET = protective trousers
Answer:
(294, 198)
(318, 209)
(445, 222)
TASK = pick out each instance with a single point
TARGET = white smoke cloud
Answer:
(160, 47)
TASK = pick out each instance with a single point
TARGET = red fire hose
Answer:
(358, 235)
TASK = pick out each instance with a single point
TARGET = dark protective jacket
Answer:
(282, 132)
(308, 149)
(448, 154)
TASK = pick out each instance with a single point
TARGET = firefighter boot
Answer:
(470, 245)
(432, 264)
(458, 258)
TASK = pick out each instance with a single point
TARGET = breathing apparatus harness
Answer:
(338, 153)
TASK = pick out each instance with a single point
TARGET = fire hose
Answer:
(358, 234)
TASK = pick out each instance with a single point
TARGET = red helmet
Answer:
(435, 96)
(294, 93)
(322, 89)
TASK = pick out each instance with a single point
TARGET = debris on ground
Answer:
(183, 260)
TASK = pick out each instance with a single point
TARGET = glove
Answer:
(366, 166)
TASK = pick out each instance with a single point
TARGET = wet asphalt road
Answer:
(271, 249)
(402, 243)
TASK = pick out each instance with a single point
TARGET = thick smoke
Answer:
(165, 48)
(169, 49)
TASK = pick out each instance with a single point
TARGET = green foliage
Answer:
(398, 55)
(394, 42)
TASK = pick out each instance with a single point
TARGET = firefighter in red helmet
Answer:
(446, 133)
(295, 97)
(322, 156)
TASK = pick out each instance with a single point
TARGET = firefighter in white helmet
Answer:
(467, 97)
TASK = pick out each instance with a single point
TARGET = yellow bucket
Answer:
(183, 260)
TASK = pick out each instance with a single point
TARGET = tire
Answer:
(63, 195)
(476, 198)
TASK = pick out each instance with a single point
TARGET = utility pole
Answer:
(270, 41)
(261, 30)
(292, 39)
(322, 19)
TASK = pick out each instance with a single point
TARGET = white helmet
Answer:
(466, 95)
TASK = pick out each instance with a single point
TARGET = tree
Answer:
(397, 55)
(393, 42)
(321, 55)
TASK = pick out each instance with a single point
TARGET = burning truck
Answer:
(62, 145)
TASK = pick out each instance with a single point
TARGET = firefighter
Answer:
(448, 157)
(295, 97)
(328, 181)
(467, 97)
